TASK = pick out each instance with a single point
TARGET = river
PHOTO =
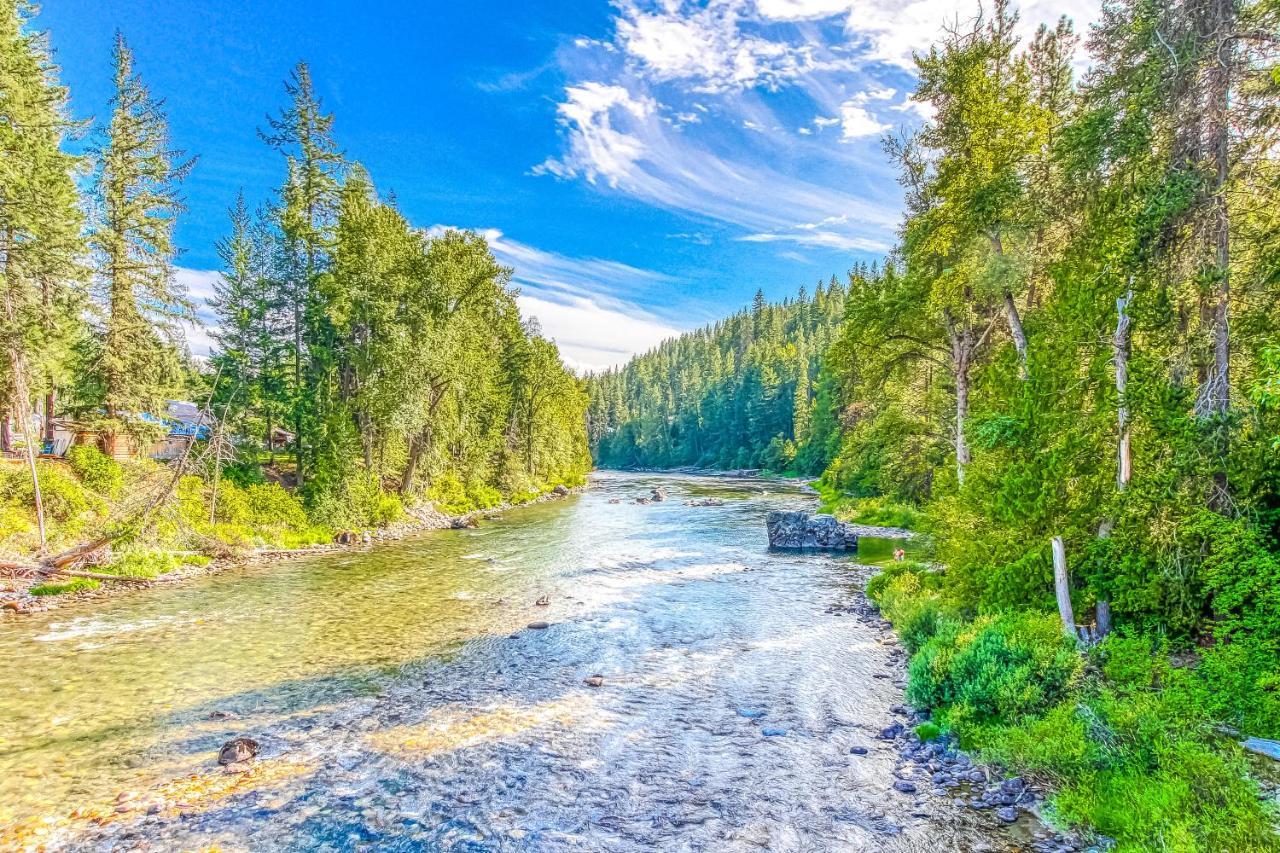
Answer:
(401, 703)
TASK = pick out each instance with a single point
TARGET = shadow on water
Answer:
(413, 709)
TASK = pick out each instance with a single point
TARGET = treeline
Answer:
(743, 393)
(388, 359)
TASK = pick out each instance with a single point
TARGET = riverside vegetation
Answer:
(1077, 339)
(392, 363)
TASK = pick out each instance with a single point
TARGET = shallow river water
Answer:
(401, 703)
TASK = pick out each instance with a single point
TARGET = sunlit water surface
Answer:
(402, 703)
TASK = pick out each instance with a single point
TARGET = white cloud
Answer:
(582, 303)
(592, 336)
(824, 238)
(598, 151)
(198, 285)
(856, 122)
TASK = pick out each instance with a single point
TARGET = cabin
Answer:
(185, 421)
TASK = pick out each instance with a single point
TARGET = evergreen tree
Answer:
(136, 189)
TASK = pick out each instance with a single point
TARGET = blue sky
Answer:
(645, 165)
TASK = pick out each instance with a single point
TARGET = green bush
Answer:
(96, 470)
(74, 585)
(142, 564)
(997, 668)
(928, 731)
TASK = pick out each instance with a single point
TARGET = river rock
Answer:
(237, 750)
(539, 626)
(1008, 814)
(704, 502)
(858, 750)
(795, 530)
(594, 681)
(659, 494)
(904, 786)
(560, 490)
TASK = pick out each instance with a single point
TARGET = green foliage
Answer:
(996, 668)
(74, 585)
(96, 470)
(142, 564)
(927, 731)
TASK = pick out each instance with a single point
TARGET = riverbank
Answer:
(16, 598)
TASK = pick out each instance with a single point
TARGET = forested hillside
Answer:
(361, 361)
(738, 394)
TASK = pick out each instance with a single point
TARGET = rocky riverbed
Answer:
(687, 689)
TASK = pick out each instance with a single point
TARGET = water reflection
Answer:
(401, 702)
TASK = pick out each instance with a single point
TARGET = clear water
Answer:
(402, 703)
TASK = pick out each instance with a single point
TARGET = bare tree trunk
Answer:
(1120, 347)
(1062, 587)
(960, 350)
(6, 438)
(1016, 331)
(1124, 460)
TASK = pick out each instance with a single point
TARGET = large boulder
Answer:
(802, 530)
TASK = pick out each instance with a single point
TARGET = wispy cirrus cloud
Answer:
(684, 107)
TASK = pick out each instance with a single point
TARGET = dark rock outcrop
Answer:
(801, 530)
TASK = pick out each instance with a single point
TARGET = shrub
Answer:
(143, 564)
(96, 470)
(928, 731)
(997, 668)
(74, 585)
(244, 473)
(1056, 745)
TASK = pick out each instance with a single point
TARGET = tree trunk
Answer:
(1124, 460)
(1016, 332)
(49, 398)
(6, 438)
(1062, 587)
(1214, 398)
(1120, 347)
(1011, 314)
(417, 444)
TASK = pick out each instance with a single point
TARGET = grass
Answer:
(877, 512)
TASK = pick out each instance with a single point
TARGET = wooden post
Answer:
(1062, 587)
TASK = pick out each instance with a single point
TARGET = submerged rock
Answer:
(773, 732)
(704, 502)
(237, 751)
(791, 529)
(594, 681)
